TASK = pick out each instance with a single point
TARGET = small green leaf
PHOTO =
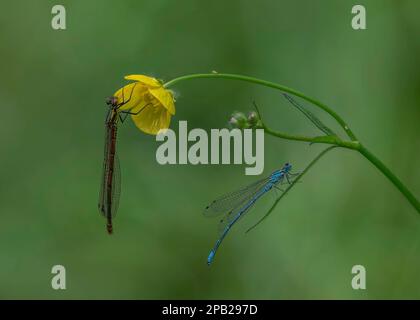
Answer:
(318, 123)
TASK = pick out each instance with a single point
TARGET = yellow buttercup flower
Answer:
(151, 105)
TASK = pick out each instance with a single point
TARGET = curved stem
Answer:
(333, 140)
(388, 173)
(267, 84)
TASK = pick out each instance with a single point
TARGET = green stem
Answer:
(355, 145)
(267, 84)
(388, 173)
(333, 140)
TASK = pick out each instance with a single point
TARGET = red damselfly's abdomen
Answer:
(109, 228)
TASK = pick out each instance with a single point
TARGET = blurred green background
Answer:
(53, 87)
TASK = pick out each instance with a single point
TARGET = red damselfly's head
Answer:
(112, 101)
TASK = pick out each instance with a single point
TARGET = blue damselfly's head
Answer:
(287, 167)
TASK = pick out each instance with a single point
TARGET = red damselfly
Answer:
(111, 177)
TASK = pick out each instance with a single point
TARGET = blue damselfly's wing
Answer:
(231, 201)
(233, 216)
(318, 123)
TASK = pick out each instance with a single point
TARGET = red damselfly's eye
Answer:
(109, 100)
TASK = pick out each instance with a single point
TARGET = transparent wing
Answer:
(237, 213)
(318, 123)
(109, 197)
(233, 200)
(116, 186)
(102, 193)
(101, 202)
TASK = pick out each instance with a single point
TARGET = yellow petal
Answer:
(152, 119)
(147, 81)
(165, 98)
(130, 95)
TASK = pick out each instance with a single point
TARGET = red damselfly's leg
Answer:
(125, 102)
(132, 113)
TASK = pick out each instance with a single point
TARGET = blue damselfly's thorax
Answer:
(278, 175)
(287, 167)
